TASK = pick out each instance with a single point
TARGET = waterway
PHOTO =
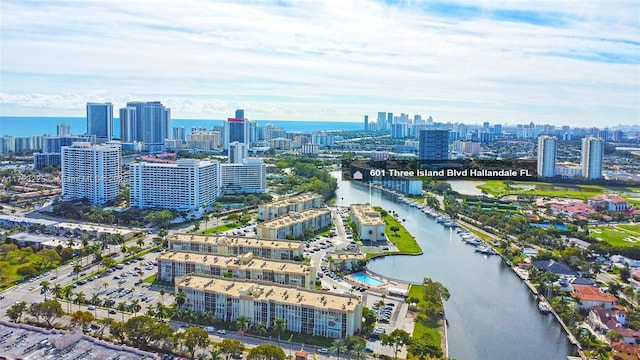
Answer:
(491, 313)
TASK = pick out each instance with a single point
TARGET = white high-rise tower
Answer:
(592, 153)
(547, 156)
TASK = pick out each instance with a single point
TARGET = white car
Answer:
(91, 307)
(323, 350)
(222, 331)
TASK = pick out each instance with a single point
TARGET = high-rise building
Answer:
(100, 121)
(236, 129)
(189, 184)
(434, 145)
(240, 114)
(547, 156)
(179, 133)
(247, 177)
(366, 122)
(64, 130)
(592, 153)
(91, 171)
(238, 152)
(148, 122)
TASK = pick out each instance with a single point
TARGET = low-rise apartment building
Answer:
(304, 311)
(295, 225)
(172, 265)
(283, 207)
(237, 245)
(369, 223)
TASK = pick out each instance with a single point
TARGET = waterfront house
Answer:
(603, 320)
(591, 296)
(554, 267)
(623, 351)
(629, 336)
(608, 202)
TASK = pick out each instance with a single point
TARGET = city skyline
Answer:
(502, 62)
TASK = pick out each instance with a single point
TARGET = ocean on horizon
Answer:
(38, 125)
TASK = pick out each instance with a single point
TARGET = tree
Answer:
(260, 328)
(230, 347)
(80, 299)
(266, 352)
(181, 298)
(135, 306)
(423, 348)
(614, 288)
(95, 301)
(45, 287)
(358, 350)
(215, 354)
(395, 230)
(77, 268)
(16, 311)
(338, 346)
(279, 325)
(194, 338)
(49, 310)
(243, 323)
(57, 290)
(81, 318)
(397, 339)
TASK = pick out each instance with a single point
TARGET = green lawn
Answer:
(422, 328)
(405, 242)
(222, 228)
(150, 280)
(620, 235)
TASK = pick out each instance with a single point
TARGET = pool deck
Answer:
(381, 288)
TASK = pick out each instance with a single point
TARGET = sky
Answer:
(551, 62)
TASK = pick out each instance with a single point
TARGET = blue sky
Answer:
(553, 62)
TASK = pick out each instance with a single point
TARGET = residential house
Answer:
(591, 296)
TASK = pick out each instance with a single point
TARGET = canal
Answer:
(491, 313)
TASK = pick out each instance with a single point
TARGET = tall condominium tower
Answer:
(91, 171)
(236, 129)
(64, 129)
(100, 121)
(434, 145)
(547, 156)
(238, 152)
(592, 153)
(179, 133)
(148, 122)
(366, 122)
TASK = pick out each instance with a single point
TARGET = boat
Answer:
(544, 307)
(450, 224)
(485, 250)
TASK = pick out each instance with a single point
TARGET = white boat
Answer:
(450, 224)
(544, 306)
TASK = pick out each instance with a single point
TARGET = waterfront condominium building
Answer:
(295, 225)
(172, 265)
(100, 121)
(237, 245)
(305, 311)
(147, 122)
(369, 223)
(238, 152)
(91, 171)
(247, 177)
(592, 153)
(282, 207)
(189, 184)
(434, 145)
(547, 156)
(236, 129)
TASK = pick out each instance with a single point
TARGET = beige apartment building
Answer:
(237, 245)
(295, 225)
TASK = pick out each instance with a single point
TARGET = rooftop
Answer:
(625, 348)
(246, 261)
(294, 218)
(591, 293)
(269, 292)
(236, 241)
(366, 215)
(292, 200)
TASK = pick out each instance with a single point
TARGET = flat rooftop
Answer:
(366, 214)
(21, 341)
(291, 200)
(22, 219)
(236, 241)
(270, 292)
(294, 218)
(246, 261)
(91, 227)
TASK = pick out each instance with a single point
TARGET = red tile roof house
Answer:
(624, 351)
(575, 209)
(591, 296)
(609, 202)
(604, 320)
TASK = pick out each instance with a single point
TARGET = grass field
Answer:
(423, 329)
(222, 228)
(619, 235)
(499, 188)
(405, 242)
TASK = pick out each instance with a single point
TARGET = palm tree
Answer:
(95, 301)
(108, 303)
(122, 307)
(260, 328)
(45, 287)
(140, 242)
(76, 269)
(57, 291)
(181, 298)
(135, 306)
(216, 354)
(80, 299)
(279, 325)
(338, 346)
(160, 310)
(243, 323)
(162, 292)
(67, 292)
(358, 350)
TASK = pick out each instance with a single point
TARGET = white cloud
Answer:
(321, 59)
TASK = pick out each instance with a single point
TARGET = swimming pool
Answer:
(366, 279)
